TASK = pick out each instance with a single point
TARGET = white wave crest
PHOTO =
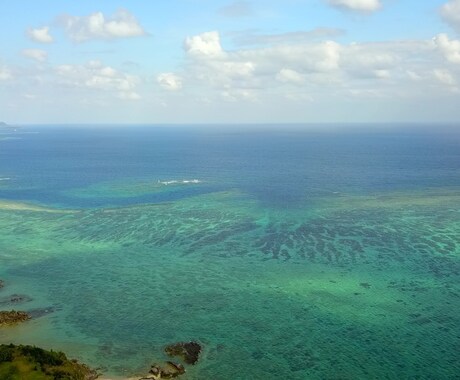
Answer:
(180, 182)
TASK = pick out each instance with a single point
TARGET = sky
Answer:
(223, 61)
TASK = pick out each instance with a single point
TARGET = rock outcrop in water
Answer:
(170, 370)
(13, 317)
(189, 352)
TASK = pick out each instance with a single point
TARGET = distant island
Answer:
(6, 125)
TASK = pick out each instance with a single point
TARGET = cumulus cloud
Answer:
(41, 35)
(449, 48)
(313, 69)
(357, 5)
(36, 54)
(209, 63)
(370, 60)
(97, 26)
(450, 12)
(170, 81)
(204, 45)
(96, 76)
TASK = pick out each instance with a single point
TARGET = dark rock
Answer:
(2, 284)
(169, 371)
(177, 367)
(8, 318)
(189, 352)
(155, 370)
(14, 299)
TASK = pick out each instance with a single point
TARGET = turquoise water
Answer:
(287, 253)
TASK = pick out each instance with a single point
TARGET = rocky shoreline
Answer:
(24, 362)
(188, 352)
(55, 365)
(13, 317)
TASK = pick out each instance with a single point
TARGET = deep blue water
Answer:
(279, 165)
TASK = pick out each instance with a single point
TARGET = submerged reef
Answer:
(29, 362)
(14, 299)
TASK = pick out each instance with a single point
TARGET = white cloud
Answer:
(284, 77)
(449, 48)
(96, 76)
(290, 76)
(41, 35)
(204, 45)
(235, 95)
(5, 73)
(450, 12)
(413, 75)
(369, 60)
(357, 5)
(445, 77)
(129, 95)
(170, 81)
(97, 26)
(36, 54)
(382, 74)
(313, 69)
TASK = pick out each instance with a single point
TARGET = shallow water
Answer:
(286, 259)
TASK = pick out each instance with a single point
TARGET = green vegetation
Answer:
(33, 363)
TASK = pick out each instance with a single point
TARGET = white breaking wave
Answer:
(176, 182)
(4, 179)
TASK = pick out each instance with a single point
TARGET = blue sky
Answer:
(203, 61)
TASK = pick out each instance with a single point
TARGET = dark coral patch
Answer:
(188, 351)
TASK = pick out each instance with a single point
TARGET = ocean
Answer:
(287, 251)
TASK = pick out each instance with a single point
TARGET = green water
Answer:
(350, 287)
